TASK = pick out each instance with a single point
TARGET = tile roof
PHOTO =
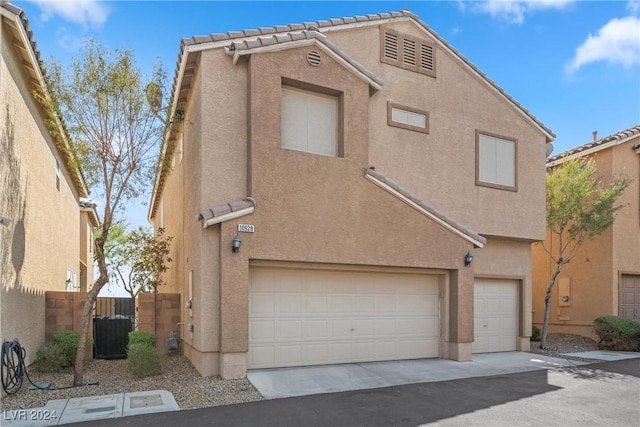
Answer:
(315, 25)
(33, 65)
(431, 210)
(279, 39)
(224, 212)
(319, 25)
(602, 142)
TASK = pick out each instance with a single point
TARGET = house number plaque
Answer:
(246, 228)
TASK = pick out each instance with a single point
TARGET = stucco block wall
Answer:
(159, 314)
(42, 240)
(64, 312)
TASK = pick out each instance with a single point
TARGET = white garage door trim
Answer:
(495, 315)
(315, 317)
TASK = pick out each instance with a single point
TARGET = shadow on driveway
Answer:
(409, 405)
(405, 405)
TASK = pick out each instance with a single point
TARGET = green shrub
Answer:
(50, 358)
(536, 334)
(143, 360)
(141, 337)
(617, 333)
(67, 341)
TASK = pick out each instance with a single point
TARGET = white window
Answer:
(407, 118)
(496, 161)
(309, 121)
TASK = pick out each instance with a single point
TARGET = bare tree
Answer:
(115, 135)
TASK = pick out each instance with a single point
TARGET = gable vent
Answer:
(314, 58)
(426, 58)
(390, 46)
(407, 52)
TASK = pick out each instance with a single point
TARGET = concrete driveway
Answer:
(302, 381)
(604, 394)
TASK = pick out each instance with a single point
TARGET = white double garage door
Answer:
(303, 317)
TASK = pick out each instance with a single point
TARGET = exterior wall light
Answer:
(468, 258)
(235, 244)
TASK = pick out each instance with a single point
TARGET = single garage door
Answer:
(495, 315)
(312, 317)
(630, 297)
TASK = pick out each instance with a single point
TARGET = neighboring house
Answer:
(40, 192)
(604, 276)
(359, 160)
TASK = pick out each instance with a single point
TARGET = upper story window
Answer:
(310, 121)
(407, 118)
(407, 52)
(496, 161)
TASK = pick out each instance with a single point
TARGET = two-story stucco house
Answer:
(603, 278)
(46, 236)
(327, 185)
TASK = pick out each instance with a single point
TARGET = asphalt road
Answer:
(606, 394)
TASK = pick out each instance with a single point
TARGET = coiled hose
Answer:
(14, 370)
(13, 367)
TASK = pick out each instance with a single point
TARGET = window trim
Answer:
(320, 91)
(391, 122)
(515, 162)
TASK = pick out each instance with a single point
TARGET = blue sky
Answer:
(573, 64)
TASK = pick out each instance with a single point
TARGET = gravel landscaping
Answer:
(188, 387)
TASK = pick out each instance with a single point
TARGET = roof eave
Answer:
(374, 82)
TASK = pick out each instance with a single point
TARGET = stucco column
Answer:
(460, 340)
(234, 304)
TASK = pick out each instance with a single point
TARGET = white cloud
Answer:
(633, 7)
(618, 42)
(90, 13)
(513, 11)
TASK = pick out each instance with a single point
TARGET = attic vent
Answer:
(314, 58)
(407, 52)
(390, 46)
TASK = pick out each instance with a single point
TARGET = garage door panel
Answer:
(366, 305)
(262, 330)
(341, 317)
(315, 304)
(315, 353)
(289, 330)
(262, 304)
(315, 329)
(341, 304)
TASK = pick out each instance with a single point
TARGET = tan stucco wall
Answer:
(42, 240)
(317, 209)
(458, 103)
(594, 272)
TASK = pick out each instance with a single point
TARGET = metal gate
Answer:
(113, 319)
